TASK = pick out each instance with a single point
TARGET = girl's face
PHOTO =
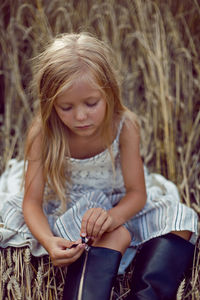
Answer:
(81, 108)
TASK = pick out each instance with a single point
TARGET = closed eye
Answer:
(91, 104)
(66, 108)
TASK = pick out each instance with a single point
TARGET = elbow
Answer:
(28, 205)
(143, 200)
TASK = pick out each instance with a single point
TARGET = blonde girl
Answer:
(82, 151)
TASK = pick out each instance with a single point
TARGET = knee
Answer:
(185, 234)
(123, 235)
(122, 238)
(119, 239)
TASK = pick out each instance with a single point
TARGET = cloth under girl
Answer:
(94, 184)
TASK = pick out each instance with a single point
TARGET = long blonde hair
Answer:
(65, 59)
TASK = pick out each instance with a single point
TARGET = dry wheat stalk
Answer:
(158, 57)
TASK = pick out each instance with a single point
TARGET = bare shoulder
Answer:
(130, 134)
(131, 161)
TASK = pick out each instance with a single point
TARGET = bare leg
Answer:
(119, 239)
(185, 234)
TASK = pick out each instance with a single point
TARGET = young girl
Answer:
(85, 178)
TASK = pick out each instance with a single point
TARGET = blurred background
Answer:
(157, 45)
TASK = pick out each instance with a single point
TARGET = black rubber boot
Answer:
(160, 266)
(91, 277)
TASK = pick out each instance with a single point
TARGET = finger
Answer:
(105, 227)
(99, 223)
(62, 243)
(66, 253)
(84, 222)
(71, 252)
(75, 244)
(65, 244)
(92, 220)
(67, 261)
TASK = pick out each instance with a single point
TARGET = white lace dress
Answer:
(93, 184)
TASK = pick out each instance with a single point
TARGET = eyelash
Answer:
(66, 109)
(91, 104)
(88, 104)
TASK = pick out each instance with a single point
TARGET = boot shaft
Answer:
(160, 267)
(92, 275)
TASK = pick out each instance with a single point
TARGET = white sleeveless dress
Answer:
(93, 184)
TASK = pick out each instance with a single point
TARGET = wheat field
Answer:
(157, 47)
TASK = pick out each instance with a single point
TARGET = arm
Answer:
(133, 174)
(33, 198)
(33, 211)
(96, 221)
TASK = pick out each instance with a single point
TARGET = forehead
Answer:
(80, 89)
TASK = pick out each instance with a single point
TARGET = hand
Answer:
(61, 255)
(95, 222)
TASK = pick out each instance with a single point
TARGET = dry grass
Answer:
(157, 45)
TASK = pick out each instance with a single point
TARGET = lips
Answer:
(83, 127)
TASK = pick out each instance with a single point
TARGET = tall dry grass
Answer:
(157, 45)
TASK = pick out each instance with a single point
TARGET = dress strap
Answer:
(121, 123)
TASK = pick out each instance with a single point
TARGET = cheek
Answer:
(65, 119)
(100, 112)
(98, 115)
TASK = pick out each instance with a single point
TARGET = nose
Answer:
(80, 114)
